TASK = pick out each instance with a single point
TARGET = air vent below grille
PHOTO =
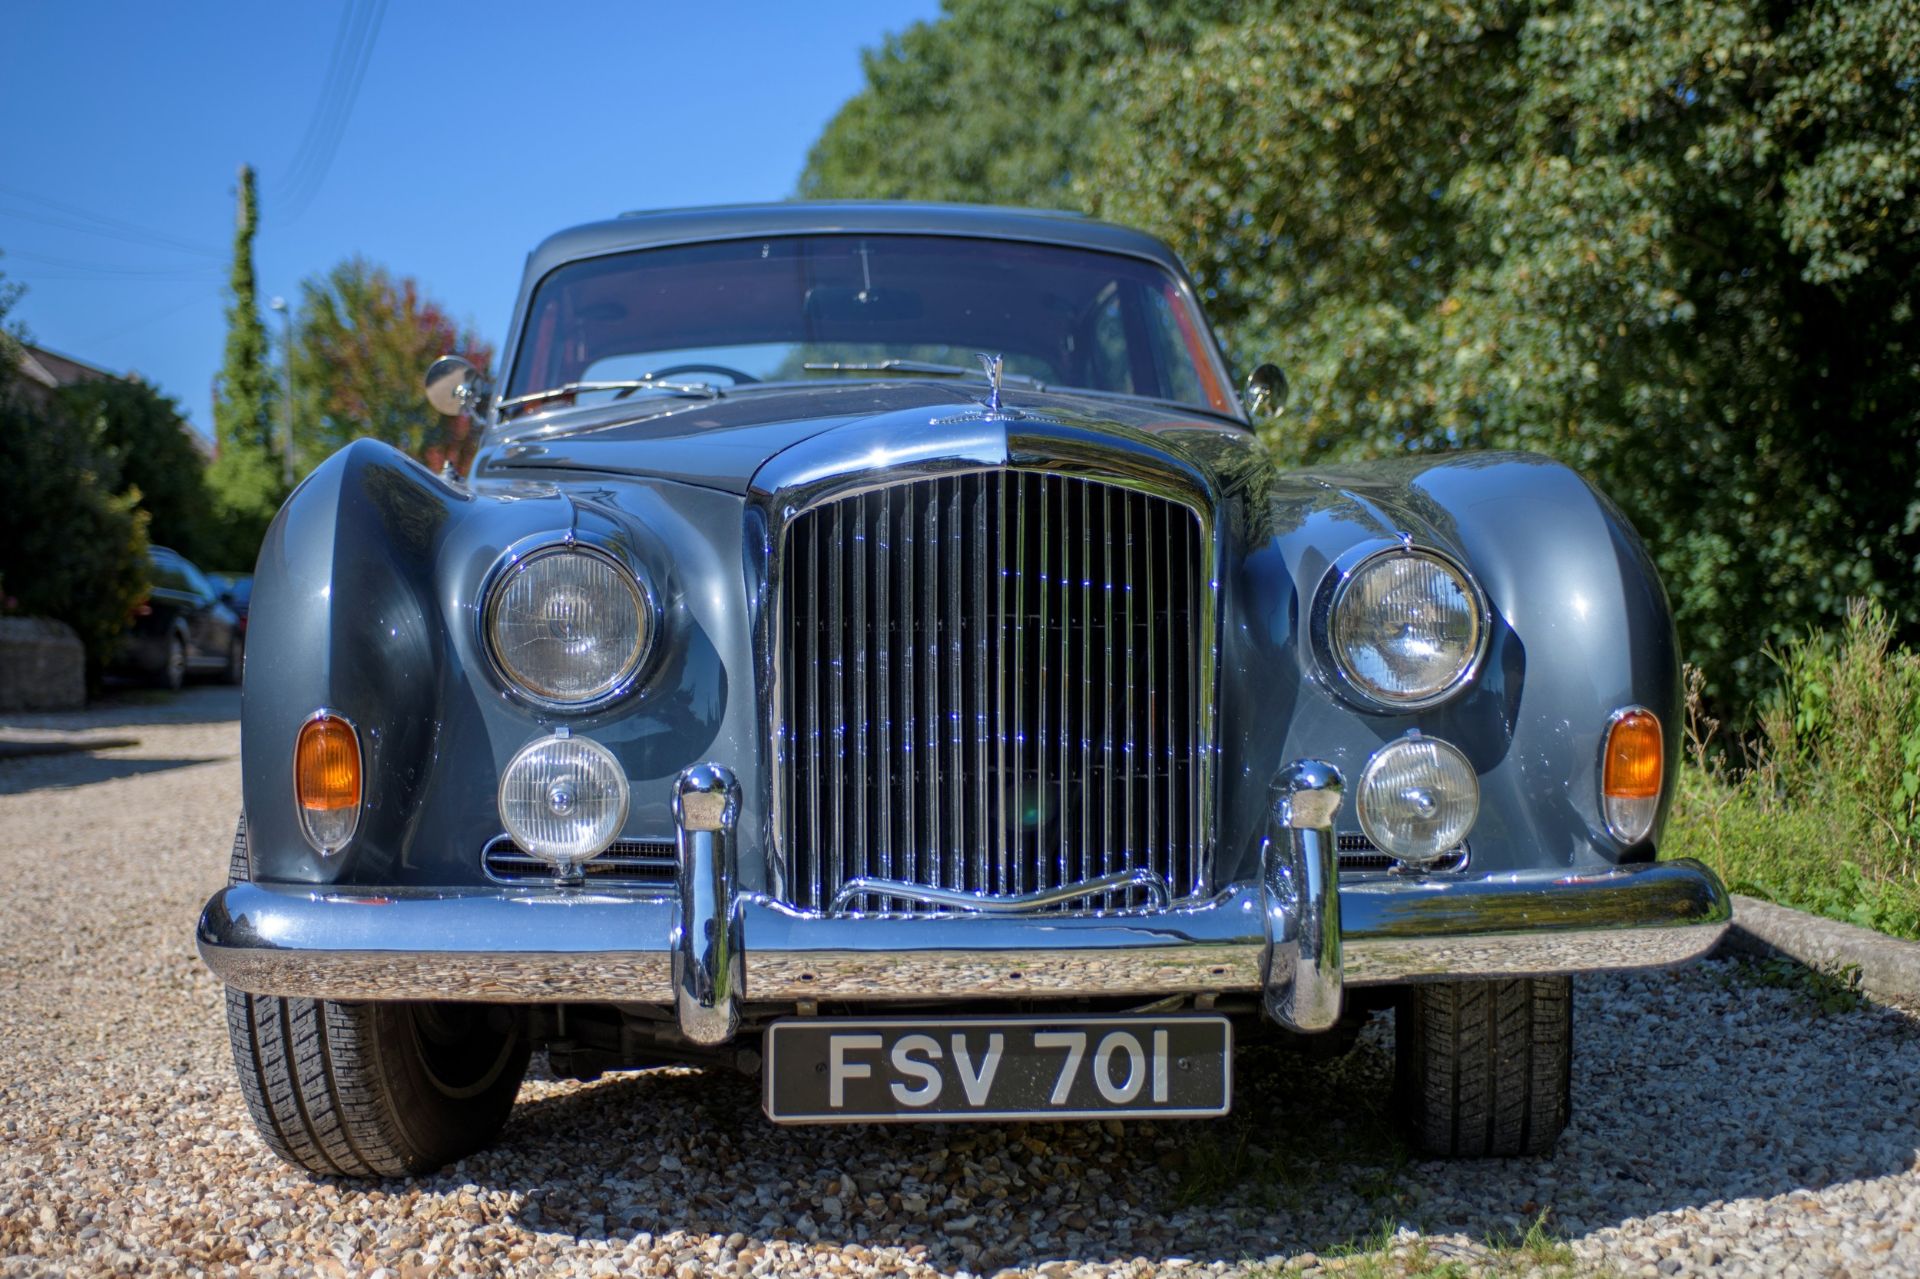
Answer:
(629, 861)
(1357, 853)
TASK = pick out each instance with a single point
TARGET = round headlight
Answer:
(563, 799)
(1417, 799)
(568, 625)
(1406, 628)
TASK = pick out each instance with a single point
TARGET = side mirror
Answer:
(1266, 391)
(455, 387)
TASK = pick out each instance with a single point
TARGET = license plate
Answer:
(846, 1070)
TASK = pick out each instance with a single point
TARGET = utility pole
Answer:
(286, 364)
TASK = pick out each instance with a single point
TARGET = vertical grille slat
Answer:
(993, 681)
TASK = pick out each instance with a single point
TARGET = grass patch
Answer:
(1826, 990)
(1385, 1254)
(1821, 811)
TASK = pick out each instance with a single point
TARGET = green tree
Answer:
(148, 441)
(363, 342)
(994, 102)
(245, 478)
(73, 546)
(1671, 244)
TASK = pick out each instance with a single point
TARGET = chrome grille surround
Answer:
(967, 504)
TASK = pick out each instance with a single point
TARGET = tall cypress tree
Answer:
(245, 475)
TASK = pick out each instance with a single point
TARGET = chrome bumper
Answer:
(1298, 936)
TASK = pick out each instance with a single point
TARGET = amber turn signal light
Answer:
(326, 768)
(326, 781)
(1633, 756)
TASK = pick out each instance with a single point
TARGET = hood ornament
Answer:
(990, 409)
(993, 364)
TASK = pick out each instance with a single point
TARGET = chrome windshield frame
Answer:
(530, 288)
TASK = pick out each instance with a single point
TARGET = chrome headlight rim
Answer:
(623, 791)
(1339, 582)
(1369, 821)
(527, 551)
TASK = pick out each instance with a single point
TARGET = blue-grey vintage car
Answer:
(872, 650)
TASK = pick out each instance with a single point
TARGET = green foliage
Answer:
(1796, 826)
(1674, 245)
(147, 441)
(1826, 991)
(1843, 727)
(993, 103)
(73, 546)
(245, 478)
(363, 343)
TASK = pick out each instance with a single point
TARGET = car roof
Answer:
(650, 228)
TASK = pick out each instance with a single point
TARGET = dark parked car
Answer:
(786, 690)
(236, 592)
(183, 627)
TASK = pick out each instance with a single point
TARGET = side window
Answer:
(167, 575)
(196, 581)
(1176, 366)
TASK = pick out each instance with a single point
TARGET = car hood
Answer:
(724, 443)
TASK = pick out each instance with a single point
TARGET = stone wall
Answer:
(42, 666)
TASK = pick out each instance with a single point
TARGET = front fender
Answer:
(367, 603)
(1580, 627)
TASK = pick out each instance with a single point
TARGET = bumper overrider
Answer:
(1297, 936)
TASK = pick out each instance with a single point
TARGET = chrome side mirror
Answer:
(1266, 391)
(455, 387)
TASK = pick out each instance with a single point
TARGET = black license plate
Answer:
(847, 1070)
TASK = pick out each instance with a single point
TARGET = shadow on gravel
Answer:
(132, 706)
(1689, 1088)
(46, 772)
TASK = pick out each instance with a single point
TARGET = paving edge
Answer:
(1889, 967)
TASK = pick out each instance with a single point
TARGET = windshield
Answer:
(822, 307)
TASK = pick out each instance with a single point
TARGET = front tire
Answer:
(236, 660)
(370, 1090)
(374, 1089)
(172, 674)
(1485, 1068)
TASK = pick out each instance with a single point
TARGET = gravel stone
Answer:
(1719, 1127)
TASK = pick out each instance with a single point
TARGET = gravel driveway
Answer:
(1720, 1124)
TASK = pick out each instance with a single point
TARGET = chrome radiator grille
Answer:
(996, 682)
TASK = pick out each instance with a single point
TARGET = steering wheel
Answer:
(739, 377)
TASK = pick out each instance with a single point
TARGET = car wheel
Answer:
(371, 1090)
(374, 1089)
(236, 660)
(1485, 1068)
(172, 674)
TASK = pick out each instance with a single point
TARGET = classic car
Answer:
(873, 650)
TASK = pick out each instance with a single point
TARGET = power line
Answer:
(200, 270)
(340, 90)
(108, 228)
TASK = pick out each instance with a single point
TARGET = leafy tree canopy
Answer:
(146, 440)
(73, 545)
(363, 342)
(992, 103)
(245, 478)
(1673, 244)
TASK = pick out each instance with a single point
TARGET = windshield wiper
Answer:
(922, 367)
(705, 390)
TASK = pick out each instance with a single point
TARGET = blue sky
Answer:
(477, 130)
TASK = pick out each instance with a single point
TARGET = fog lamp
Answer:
(1630, 773)
(563, 799)
(1417, 799)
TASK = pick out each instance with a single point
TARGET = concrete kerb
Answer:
(1889, 967)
